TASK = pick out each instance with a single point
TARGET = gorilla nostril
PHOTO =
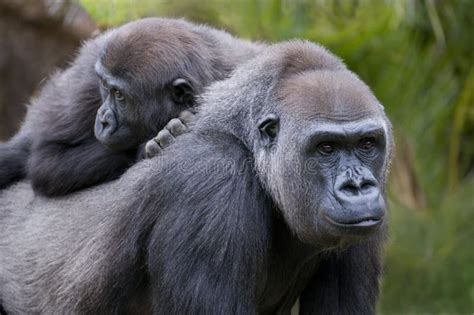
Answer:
(353, 188)
(367, 186)
(106, 119)
(349, 188)
(102, 117)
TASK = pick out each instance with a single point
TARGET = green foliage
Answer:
(429, 266)
(418, 57)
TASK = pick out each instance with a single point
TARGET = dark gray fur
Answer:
(222, 222)
(56, 147)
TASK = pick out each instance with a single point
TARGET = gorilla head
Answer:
(322, 151)
(320, 140)
(138, 97)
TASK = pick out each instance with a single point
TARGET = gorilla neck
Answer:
(290, 266)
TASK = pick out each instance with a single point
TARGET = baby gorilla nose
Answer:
(106, 121)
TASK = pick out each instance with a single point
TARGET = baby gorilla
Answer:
(90, 121)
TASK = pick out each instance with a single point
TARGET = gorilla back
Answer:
(89, 122)
(282, 184)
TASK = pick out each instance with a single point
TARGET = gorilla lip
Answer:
(369, 222)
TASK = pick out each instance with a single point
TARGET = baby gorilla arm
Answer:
(57, 168)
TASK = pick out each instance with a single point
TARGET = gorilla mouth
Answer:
(366, 223)
(361, 222)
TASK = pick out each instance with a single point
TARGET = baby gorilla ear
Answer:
(182, 92)
(269, 127)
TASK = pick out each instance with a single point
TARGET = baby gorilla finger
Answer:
(164, 138)
(186, 116)
(152, 148)
(176, 127)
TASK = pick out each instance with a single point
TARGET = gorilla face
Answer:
(132, 111)
(112, 124)
(326, 161)
(343, 161)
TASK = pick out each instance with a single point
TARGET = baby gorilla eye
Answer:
(118, 95)
(326, 148)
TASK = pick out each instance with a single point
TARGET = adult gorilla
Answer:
(276, 193)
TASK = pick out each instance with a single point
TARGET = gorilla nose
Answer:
(104, 123)
(357, 189)
(107, 120)
(362, 204)
(353, 188)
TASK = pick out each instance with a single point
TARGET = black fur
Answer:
(225, 220)
(13, 159)
(345, 282)
(57, 148)
(225, 247)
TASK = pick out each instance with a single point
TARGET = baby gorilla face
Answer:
(112, 123)
(129, 117)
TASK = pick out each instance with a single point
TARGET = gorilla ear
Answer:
(269, 127)
(182, 92)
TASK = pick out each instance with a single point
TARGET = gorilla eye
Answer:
(118, 95)
(367, 144)
(326, 148)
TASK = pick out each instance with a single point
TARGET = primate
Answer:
(90, 121)
(282, 182)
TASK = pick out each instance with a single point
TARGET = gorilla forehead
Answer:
(327, 95)
(171, 47)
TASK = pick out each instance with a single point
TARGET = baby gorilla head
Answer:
(149, 71)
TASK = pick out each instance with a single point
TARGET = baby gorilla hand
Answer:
(174, 128)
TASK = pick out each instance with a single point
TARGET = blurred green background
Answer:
(418, 57)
